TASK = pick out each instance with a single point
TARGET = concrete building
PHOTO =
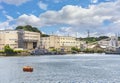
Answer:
(19, 39)
(59, 42)
(50, 42)
(104, 43)
(110, 43)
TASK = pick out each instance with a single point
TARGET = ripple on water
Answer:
(61, 69)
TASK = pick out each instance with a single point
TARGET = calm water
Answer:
(83, 68)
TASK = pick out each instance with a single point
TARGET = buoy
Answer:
(27, 69)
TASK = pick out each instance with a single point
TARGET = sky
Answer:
(63, 17)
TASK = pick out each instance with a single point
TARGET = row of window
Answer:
(9, 44)
(59, 42)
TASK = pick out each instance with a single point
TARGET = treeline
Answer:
(93, 39)
(28, 28)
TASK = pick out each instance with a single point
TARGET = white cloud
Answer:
(58, 1)
(18, 13)
(4, 12)
(29, 20)
(14, 2)
(9, 18)
(94, 1)
(74, 16)
(42, 5)
(79, 19)
(6, 25)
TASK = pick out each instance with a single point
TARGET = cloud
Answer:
(81, 19)
(74, 16)
(18, 13)
(78, 19)
(58, 1)
(29, 20)
(14, 2)
(94, 1)
(6, 25)
(9, 18)
(4, 12)
(42, 5)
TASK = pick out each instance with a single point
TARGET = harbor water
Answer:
(79, 68)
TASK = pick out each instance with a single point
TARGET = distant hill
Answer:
(93, 39)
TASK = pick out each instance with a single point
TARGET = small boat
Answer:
(27, 69)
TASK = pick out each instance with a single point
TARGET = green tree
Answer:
(75, 49)
(8, 50)
(28, 28)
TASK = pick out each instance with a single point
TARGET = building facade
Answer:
(19, 39)
(110, 43)
(59, 42)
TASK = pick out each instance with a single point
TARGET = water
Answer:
(81, 68)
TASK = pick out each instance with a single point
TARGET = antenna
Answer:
(52, 33)
(76, 34)
(88, 32)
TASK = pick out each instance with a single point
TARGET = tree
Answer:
(75, 49)
(44, 35)
(8, 50)
(28, 28)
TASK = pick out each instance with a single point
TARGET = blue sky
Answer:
(63, 17)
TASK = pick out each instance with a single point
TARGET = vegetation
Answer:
(8, 50)
(93, 39)
(74, 49)
(28, 28)
(44, 35)
(20, 51)
(1, 51)
(93, 51)
(119, 38)
(52, 49)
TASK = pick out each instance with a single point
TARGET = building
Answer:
(59, 42)
(19, 39)
(110, 43)
(66, 42)
(50, 42)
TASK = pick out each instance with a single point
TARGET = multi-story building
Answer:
(19, 39)
(110, 43)
(50, 42)
(59, 42)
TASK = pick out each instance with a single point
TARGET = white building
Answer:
(19, 39)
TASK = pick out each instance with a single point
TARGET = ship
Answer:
(117, 51)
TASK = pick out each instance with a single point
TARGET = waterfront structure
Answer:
(59, 42)
(67, 42)
(104, 43)
(19, 39)
(50, 42)
(110, 43)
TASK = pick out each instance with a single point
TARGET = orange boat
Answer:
(27, 69)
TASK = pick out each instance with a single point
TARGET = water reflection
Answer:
(61, 69)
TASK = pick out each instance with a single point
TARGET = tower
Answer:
(88, 33)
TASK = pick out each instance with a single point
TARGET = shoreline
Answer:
(54, 54)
